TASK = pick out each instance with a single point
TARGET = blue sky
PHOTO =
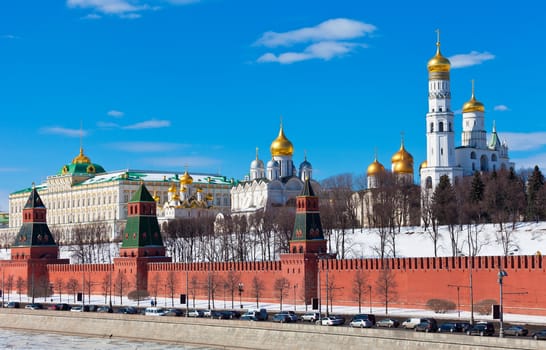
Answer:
(164, 84)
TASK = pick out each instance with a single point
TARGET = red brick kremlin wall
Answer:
(417, 279)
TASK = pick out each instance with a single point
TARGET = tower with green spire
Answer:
(34, 240)
(307, 236)
(142, 236)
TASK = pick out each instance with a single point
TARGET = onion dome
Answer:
(272, 164)
(375, 168)
(257, 163)
(438, 63)
(172, 189)
(199, 190)
(305, 164)
(81, 158)
(156, 197)
(209, 197)
(281, 146)
(473, 105)
(423, 165)
(186, 179)
(402, 161)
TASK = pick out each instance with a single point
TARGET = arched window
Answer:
(428, 182)
(441, 127)
(472, 155)
(493, 157)
(431, 127)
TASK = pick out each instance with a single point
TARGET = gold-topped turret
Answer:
(186, 179)
(473, 105)
(402, 161)
(81, 158)
(281, 146)
(438, 66)
(375, 168)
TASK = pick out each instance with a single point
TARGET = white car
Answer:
(332, 321)
(154, 311)
(361, 323)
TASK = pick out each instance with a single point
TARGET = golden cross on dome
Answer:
(437, 37)
(472, 88)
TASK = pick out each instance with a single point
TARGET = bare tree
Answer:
(106, 286)
(171, 285)
(386, 285)
(281, 286)
(194, 285)
(59, 285)
(232, 284)
(154, 286)
(121, 284)
(72, 285)
(360, 284)
(19, 286)
(257, 288)
(9, 284)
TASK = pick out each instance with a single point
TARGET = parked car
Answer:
(451, 327)
(14, 305)
(34, 306)
(105, 309)
(207, 313)
(427, 326)
(128, 310)
(362, 323)
(332, 320)
(195, 313)
(80, 308)
(410, 323)
(540, 335)
(154, 311)
(59, 307)
(221, 315)
(369, 317)
(281, 318)
(291, 315)
(481, 329)
(174, 312)
(387, 322)
(234, 314)
(310, 316)
(516, 331)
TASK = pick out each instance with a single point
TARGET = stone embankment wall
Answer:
(244, 334)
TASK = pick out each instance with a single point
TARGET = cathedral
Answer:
(275, 184)
(475, 152)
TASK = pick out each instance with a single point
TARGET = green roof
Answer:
(142, 195)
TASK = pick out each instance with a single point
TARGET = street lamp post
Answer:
(370, 295)
(501, 275)
(241, 288)
(295, 287)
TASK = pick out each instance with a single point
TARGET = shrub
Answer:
(483, 307)
(440, 306)
(138, 294)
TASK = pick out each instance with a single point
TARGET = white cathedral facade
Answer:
(475, 152)
(275, 184)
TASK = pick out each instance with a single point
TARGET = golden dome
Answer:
(281, 146)
(375, 168)
(473, 105)
(209, 197)
(186, 179)
(172, 189)
(424, 164)
(438, 63)
(156, 197)
(81, 158)
(402, 161)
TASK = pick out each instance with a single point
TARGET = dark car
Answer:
(427, 326)
(221, 315)
(451, 327)
(516, 331)
(388, 322)
(128, 310)
(105, 309)
(540, 335)
(14, 305)
(481, 329)
(59, 307)
(174, 312)
(281, 318)
(34, 306)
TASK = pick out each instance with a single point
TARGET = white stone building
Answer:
(275, 184)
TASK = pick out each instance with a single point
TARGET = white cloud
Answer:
(115, 7)
(130, 15)
(182, 2)
(149, 124)
(531, 161)
(524, 141)
(323, 50)
(56, 130)
(501, 108)
(92, 16)
(139, 147)
(471, 59)
(10, 36)
(115, 113)
(108, 125)
(330, 30)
